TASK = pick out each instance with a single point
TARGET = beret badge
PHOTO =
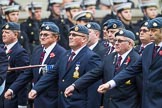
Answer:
(146, 23)
(7, 26)
(89, 25)
(76, 28)
(155, 24)
(121, 32)
(114, 26)
(47, 28)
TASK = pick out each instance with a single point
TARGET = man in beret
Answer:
(111, 27)
(150, 66)
(49, 35)
(94, 42)
(125, 96)
(17, 57)
(71, 66)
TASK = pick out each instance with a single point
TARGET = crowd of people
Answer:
(79, 61)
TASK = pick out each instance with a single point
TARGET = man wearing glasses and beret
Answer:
(150, 66)
(71, 66)
(47, 53)
(124, 96)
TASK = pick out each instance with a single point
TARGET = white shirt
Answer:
(77, 51)
(10, 46)
(92, 46)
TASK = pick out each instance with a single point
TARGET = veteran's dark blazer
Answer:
(124, 96)
(152, 77)
(85, 60)
(48, 98)
(17, 57)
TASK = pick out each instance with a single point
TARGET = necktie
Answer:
(5, 48)
(42, 57)
(70, 59)
(155, 51)
(117, 66)
(141, 50)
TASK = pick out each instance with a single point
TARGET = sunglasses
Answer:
(144, 30)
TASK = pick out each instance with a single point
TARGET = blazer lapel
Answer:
(157, 57)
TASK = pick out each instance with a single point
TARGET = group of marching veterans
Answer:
(77, 61)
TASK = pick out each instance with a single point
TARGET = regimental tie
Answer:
(141, 50)
(42, 57)
(70, 59)
(155, 51)
(117, 65)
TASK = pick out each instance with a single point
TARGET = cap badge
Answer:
(7, 26)
(155, 24)
(76, 28)
(114, 26)
(89, 25)
(47, 28)
(146, 23)
(88, 15)
(121, 32)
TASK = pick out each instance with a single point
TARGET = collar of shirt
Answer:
(92, 46)
(124, 55)
(48, 51)
(77, 51)
(145, 45)
(10, 46)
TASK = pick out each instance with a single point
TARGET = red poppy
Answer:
(128, 60)
(52, 55)
(160, 53)
(9, 51)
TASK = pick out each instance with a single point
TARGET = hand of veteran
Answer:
(103, 88)
(32, 94)
(8, 94)
(69, 90)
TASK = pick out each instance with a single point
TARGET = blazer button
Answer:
(61, 92)
(63, 80)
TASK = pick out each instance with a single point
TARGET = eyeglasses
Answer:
(120, 41)
(75, 35)
(44, 34)
(144, 30)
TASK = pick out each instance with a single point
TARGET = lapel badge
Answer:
(160, 52)
(128, 82)
(47, 28)
(7, 26)
(155, 24)
(76, 72)
(76, 28)
(114, 26)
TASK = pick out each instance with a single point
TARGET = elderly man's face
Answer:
(156, 35)
(8, 36)
(145, 35)
(77, 40)
(122, 44)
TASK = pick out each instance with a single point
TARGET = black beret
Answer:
(11, 26)
(80, 28)
(93, 25)
(126, 33)
(155, 23)
(49, 26)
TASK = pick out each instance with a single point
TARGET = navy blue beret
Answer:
(126, 33)
(94, 26)
(11, 26)
(49, 26)
(155, 23)
(114, 24)
(80, 28)
(145, 23)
